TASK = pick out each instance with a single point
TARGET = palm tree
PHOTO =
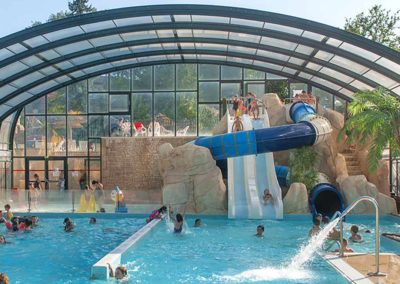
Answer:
(374, 117)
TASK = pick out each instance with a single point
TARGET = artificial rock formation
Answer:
(296, 199)
(352, 187)
(190, 176)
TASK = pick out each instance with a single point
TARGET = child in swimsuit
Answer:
(178, 222)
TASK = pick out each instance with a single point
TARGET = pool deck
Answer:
(356, 266)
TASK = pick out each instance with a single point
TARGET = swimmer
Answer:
(178, 221)
(345, 247)
(120, 272)
(3, 278)
(9, 214)
(197, 223)
(3, 240)
(355, 237)
(68, 225)
(157, 214)
(319, 217)
(315, 229)
(333, 234)
(92, 220)
(260, 231)
(267, 196)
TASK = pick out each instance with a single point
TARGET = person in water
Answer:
(120, 272)
(260, 231)
(3, 278)
(333, 234)
(3, 240)
(197, 223)
(68, 225)
(315, 229)
(92, 220)
(355, 236)
(178, 221)
(157, 214)
(345, 247)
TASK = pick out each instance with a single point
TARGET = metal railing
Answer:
(377, 235)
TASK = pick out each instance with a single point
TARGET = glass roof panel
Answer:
(244, 37)
(289, 70)
(96, 68)
(139, 35)
(325, 83)
(360, 85)
(348, 64)
(182, 18)
(296, 61)
(380, 79)
(43, 87)
(152, 58)
(6, 90)
(4, 108)
(77, 74)
(98, 26)
(359, 51)
(170, 46)
(243, 22)
(165, 33)
(396, 90)
(323, 55)
(211, 57)
(86, 58)
(210, 34)
(49, 54)
(190, 56)
(313, 36)
(285, 29)
(241, 49)
(19, 99)
(133, 21)
(389, 64)
(212, 19)
(61, 34)
(64, 65)
(12, 69)
(305, 75)
(267, 65)
(187, 45)
(334, 42)
(30, 78)
(278, 43)
(146, 47)
(161, 18)
(211, 46)
(17, 48)
(31, 61)
(48, 70)
(105, 40)
(174, 56)
(335, 74)
(116, 52)
(36, 41)
(62, 79)
(73, 47)
(184, 33)
(5, 53)
(304, 49)
(239, 60)
(313, 66)
(346, 92)
(275, 77)
(274, 55)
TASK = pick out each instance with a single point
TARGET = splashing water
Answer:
(294, 270)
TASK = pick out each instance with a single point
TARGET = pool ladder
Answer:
(377, 235)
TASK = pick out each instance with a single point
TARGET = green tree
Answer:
(79, 7)
(378, 25)
(280, 87)
(374, 119)
(57, 16)
(301, 166)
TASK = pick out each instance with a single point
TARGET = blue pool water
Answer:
(49, 255)
(227, 251)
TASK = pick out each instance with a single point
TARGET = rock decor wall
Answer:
(132, 163)
(190, 176)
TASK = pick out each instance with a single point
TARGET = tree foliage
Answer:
(301, 166)
(378, 25)
(374, 118)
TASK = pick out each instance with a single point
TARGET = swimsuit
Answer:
(178, 230)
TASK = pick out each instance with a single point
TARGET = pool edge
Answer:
(100, 270)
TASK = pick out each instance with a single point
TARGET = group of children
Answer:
(242, 105)
(334, 234)
(16, 223)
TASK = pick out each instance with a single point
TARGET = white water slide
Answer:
(249, 176)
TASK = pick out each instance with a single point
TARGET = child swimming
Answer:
(197, 223)
(260, 231)
(355, 237)
(120, 272)
(68, 225)
(345, 247)
(315, 229)
(178, 221)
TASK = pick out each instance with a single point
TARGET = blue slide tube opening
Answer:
(326, 200)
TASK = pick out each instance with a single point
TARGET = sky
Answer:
(16, 15)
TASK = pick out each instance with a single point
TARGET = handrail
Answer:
(377, 235)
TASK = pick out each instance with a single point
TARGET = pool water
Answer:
(49, 255)
(227, 251)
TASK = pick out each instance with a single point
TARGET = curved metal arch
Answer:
(167, 52)
(205, 26)
(150, 63)
(207, 10)
(133, 43)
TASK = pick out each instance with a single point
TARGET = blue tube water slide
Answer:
(309, 129)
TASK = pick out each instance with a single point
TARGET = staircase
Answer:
(353, 166)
